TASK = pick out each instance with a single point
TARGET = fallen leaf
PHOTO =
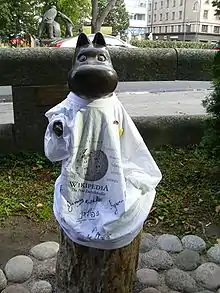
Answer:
(24, 206)
(217, 209)
(39, 205)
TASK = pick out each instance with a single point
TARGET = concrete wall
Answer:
(38, 78)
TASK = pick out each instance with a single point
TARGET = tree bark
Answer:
(95, 11)
(98, 19)
(83, 269)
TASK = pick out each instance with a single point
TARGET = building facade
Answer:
(189, 20)
(138, 13)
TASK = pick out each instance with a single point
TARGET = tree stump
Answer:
(82, 269)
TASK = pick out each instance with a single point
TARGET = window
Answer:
(155, 6)
(205, 14)
(161, 17)
(155, 17)
(204, 28)
(196, 6)
(173, 15)
(174, 3)
(142, 4)
(160, 29)
(161, 4)
(217, 17)
(181, 2)
(149, 18)
(179, 28)
(168, 3)
(180, 14)
(216, 29)
(167, 15)
(139, 16)
(188, 28)
(165, 29)
(154, 29)
(172, 28)
(150, 6)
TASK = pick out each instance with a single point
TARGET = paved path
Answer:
(145, 104)
(138, 86)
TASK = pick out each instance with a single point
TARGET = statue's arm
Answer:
(57, 138)
(64, 17)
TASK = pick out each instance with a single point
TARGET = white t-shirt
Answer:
(107, 183)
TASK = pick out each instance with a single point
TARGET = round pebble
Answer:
(180, 280)
(170, 243)
(41, 287)
(19, 268)
(187, 260)
(214, 254)
(150, 290)
(148, 277)
(15, 289)
(157, 259)
(208, 275)
(193, 242)
(46, 269)
(3, 280)
(45, 250)
(147, 242)
(206, 291)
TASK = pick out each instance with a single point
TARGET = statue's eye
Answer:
(101, 58)
(82, 58)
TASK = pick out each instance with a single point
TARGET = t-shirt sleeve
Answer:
(57, 148)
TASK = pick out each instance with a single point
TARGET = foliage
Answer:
(216, 4)
(76, 10)
(17, 16)
(188, 190)
(118, 17)
(170, 44)
(23, 15)
(211, 140)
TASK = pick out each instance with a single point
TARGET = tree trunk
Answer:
(98, 19)
(83, 269)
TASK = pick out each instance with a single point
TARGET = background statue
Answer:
(47, 22)
(52, 27)
(68, 24)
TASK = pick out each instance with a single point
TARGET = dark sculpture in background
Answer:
(52, 27)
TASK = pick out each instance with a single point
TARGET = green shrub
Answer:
(211, 140)
(170, 44)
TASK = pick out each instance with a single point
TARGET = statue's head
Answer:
(53, 6)
(92, 75)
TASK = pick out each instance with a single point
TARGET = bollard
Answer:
(108, 178)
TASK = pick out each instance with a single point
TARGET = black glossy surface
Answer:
(92, 74)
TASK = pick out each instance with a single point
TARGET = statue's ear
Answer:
(99, 40)
(82, 40)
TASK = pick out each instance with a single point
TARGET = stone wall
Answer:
(38, 77)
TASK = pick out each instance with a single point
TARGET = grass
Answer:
(186, 198)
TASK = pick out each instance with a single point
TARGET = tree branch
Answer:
(106, 11)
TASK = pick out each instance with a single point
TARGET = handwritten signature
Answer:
(88, 215)
(115, 205)
(98, 235)
(81, 201)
